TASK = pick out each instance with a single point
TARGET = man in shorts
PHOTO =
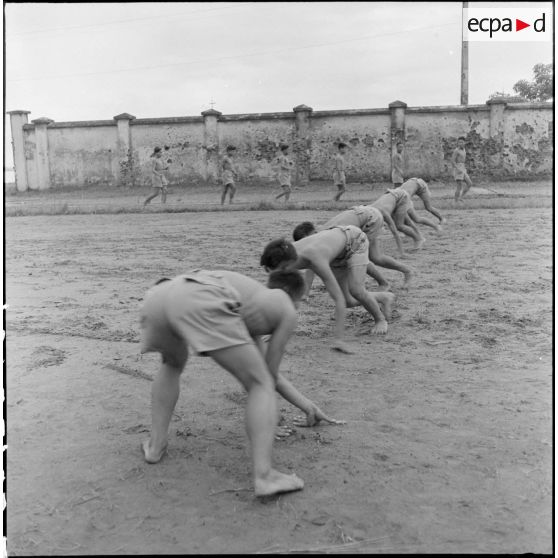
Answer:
(463, 182)
(229, 173)
(397, 170)
(159, 181)
(284, 174)
(339, 256)
(394, 205)
(339, 180)
(418, 187)
(223, 314)
(370, 221)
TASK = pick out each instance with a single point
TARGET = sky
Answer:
(92, 61)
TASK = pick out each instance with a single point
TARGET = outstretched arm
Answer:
(308, 279)
(313, 413)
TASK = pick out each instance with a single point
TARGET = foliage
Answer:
(541, 88)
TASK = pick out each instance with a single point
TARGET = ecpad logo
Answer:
(507, 24)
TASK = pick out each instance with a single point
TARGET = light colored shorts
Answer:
(228, 177)
(199, 311)
(284, 179)
(339, 178)
(355, 252)
(370, 219)
(460, 172)
(396, 177)
(158, 181)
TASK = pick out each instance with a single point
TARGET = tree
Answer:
(540, 89)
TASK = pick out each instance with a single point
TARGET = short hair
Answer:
(461, 137)
(283, 147)
(231, 148)
(304, 229)
(289, 280)
(278, 253)
(341, 144)
(399, 143)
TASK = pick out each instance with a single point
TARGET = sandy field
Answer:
(448, 441)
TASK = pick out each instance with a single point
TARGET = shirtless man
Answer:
(394, 205)
(339, 256)
(229, 175)
(418, 187)
(222, 314)
(463, 182)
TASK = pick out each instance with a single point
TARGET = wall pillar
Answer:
(302, 144)
(17, 120)
(211, 144)
(496, 130)
(124, 149)
(397, 126)
(41, 152)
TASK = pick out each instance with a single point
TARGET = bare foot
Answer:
(443, 221)
(408, 277)
(150, 455)
(419, 243)
(380, 327)
(439, 228)
(276, 482)
(382, 287)
(385, 300)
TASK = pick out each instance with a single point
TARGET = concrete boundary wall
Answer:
(503, 140)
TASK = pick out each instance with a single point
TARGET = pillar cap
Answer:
(43, 120)
(19, 112)
(397, 104)
(211, 112)
(302, 108)
(124, 116)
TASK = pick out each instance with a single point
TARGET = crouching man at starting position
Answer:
(339, 256)
(222, 314)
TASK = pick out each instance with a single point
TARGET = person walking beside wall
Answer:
(159, 181)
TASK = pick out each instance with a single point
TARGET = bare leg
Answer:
(232, 191)
(409, 231)
(374, 272)
(246, 363)
(340, 191)
(467, 185)
(423, 220)
(379, 258)
(164, 395)
(458, 186)
(353, 282)
(224, 193)
(164, 194)
(436, 213)
(149, 198)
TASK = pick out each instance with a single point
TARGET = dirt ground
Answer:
(448, 441)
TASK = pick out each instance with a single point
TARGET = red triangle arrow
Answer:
(519, 25)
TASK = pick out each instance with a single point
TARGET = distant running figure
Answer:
(397, 170)
(284, 174)
(229, 174)
(463, 182)
(339, 179)
(159, 181)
